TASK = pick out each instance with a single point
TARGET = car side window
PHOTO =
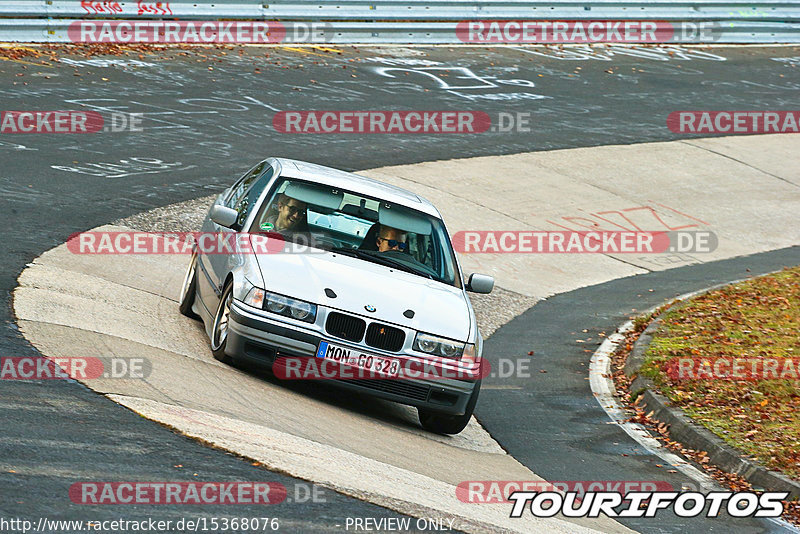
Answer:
(248, 201)
(244, 183)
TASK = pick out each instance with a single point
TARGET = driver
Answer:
(391, 239)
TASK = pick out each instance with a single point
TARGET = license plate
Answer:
(361, 360)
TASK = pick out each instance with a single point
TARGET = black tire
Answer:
(189, 289)
(440, 423)
(219, 328)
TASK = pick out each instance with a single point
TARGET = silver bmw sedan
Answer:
(328, 275)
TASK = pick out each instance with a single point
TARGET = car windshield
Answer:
(366, 228)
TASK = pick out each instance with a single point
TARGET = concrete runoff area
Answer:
(744, 189)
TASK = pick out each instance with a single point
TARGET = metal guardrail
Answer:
(407, 21)
(417, 10)
(56, 31)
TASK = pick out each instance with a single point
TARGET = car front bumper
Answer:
(260, 340)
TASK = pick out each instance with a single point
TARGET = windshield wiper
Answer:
(375, 258)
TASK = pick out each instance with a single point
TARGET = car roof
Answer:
(354, 182)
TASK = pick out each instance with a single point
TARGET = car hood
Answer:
(439, 309)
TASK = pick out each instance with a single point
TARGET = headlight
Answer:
(426, 344)
(300, 310)
(289, 307)
(277, 303)
(450, 350)
(438, 346)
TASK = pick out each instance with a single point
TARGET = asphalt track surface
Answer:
(208, 117)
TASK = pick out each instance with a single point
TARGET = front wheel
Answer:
(440, 423)
(219, 330)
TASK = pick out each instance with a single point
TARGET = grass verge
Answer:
(756, 319)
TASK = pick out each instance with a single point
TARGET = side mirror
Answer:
(480, 283)
(224, 216)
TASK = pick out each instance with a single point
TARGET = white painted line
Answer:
(603, 389)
